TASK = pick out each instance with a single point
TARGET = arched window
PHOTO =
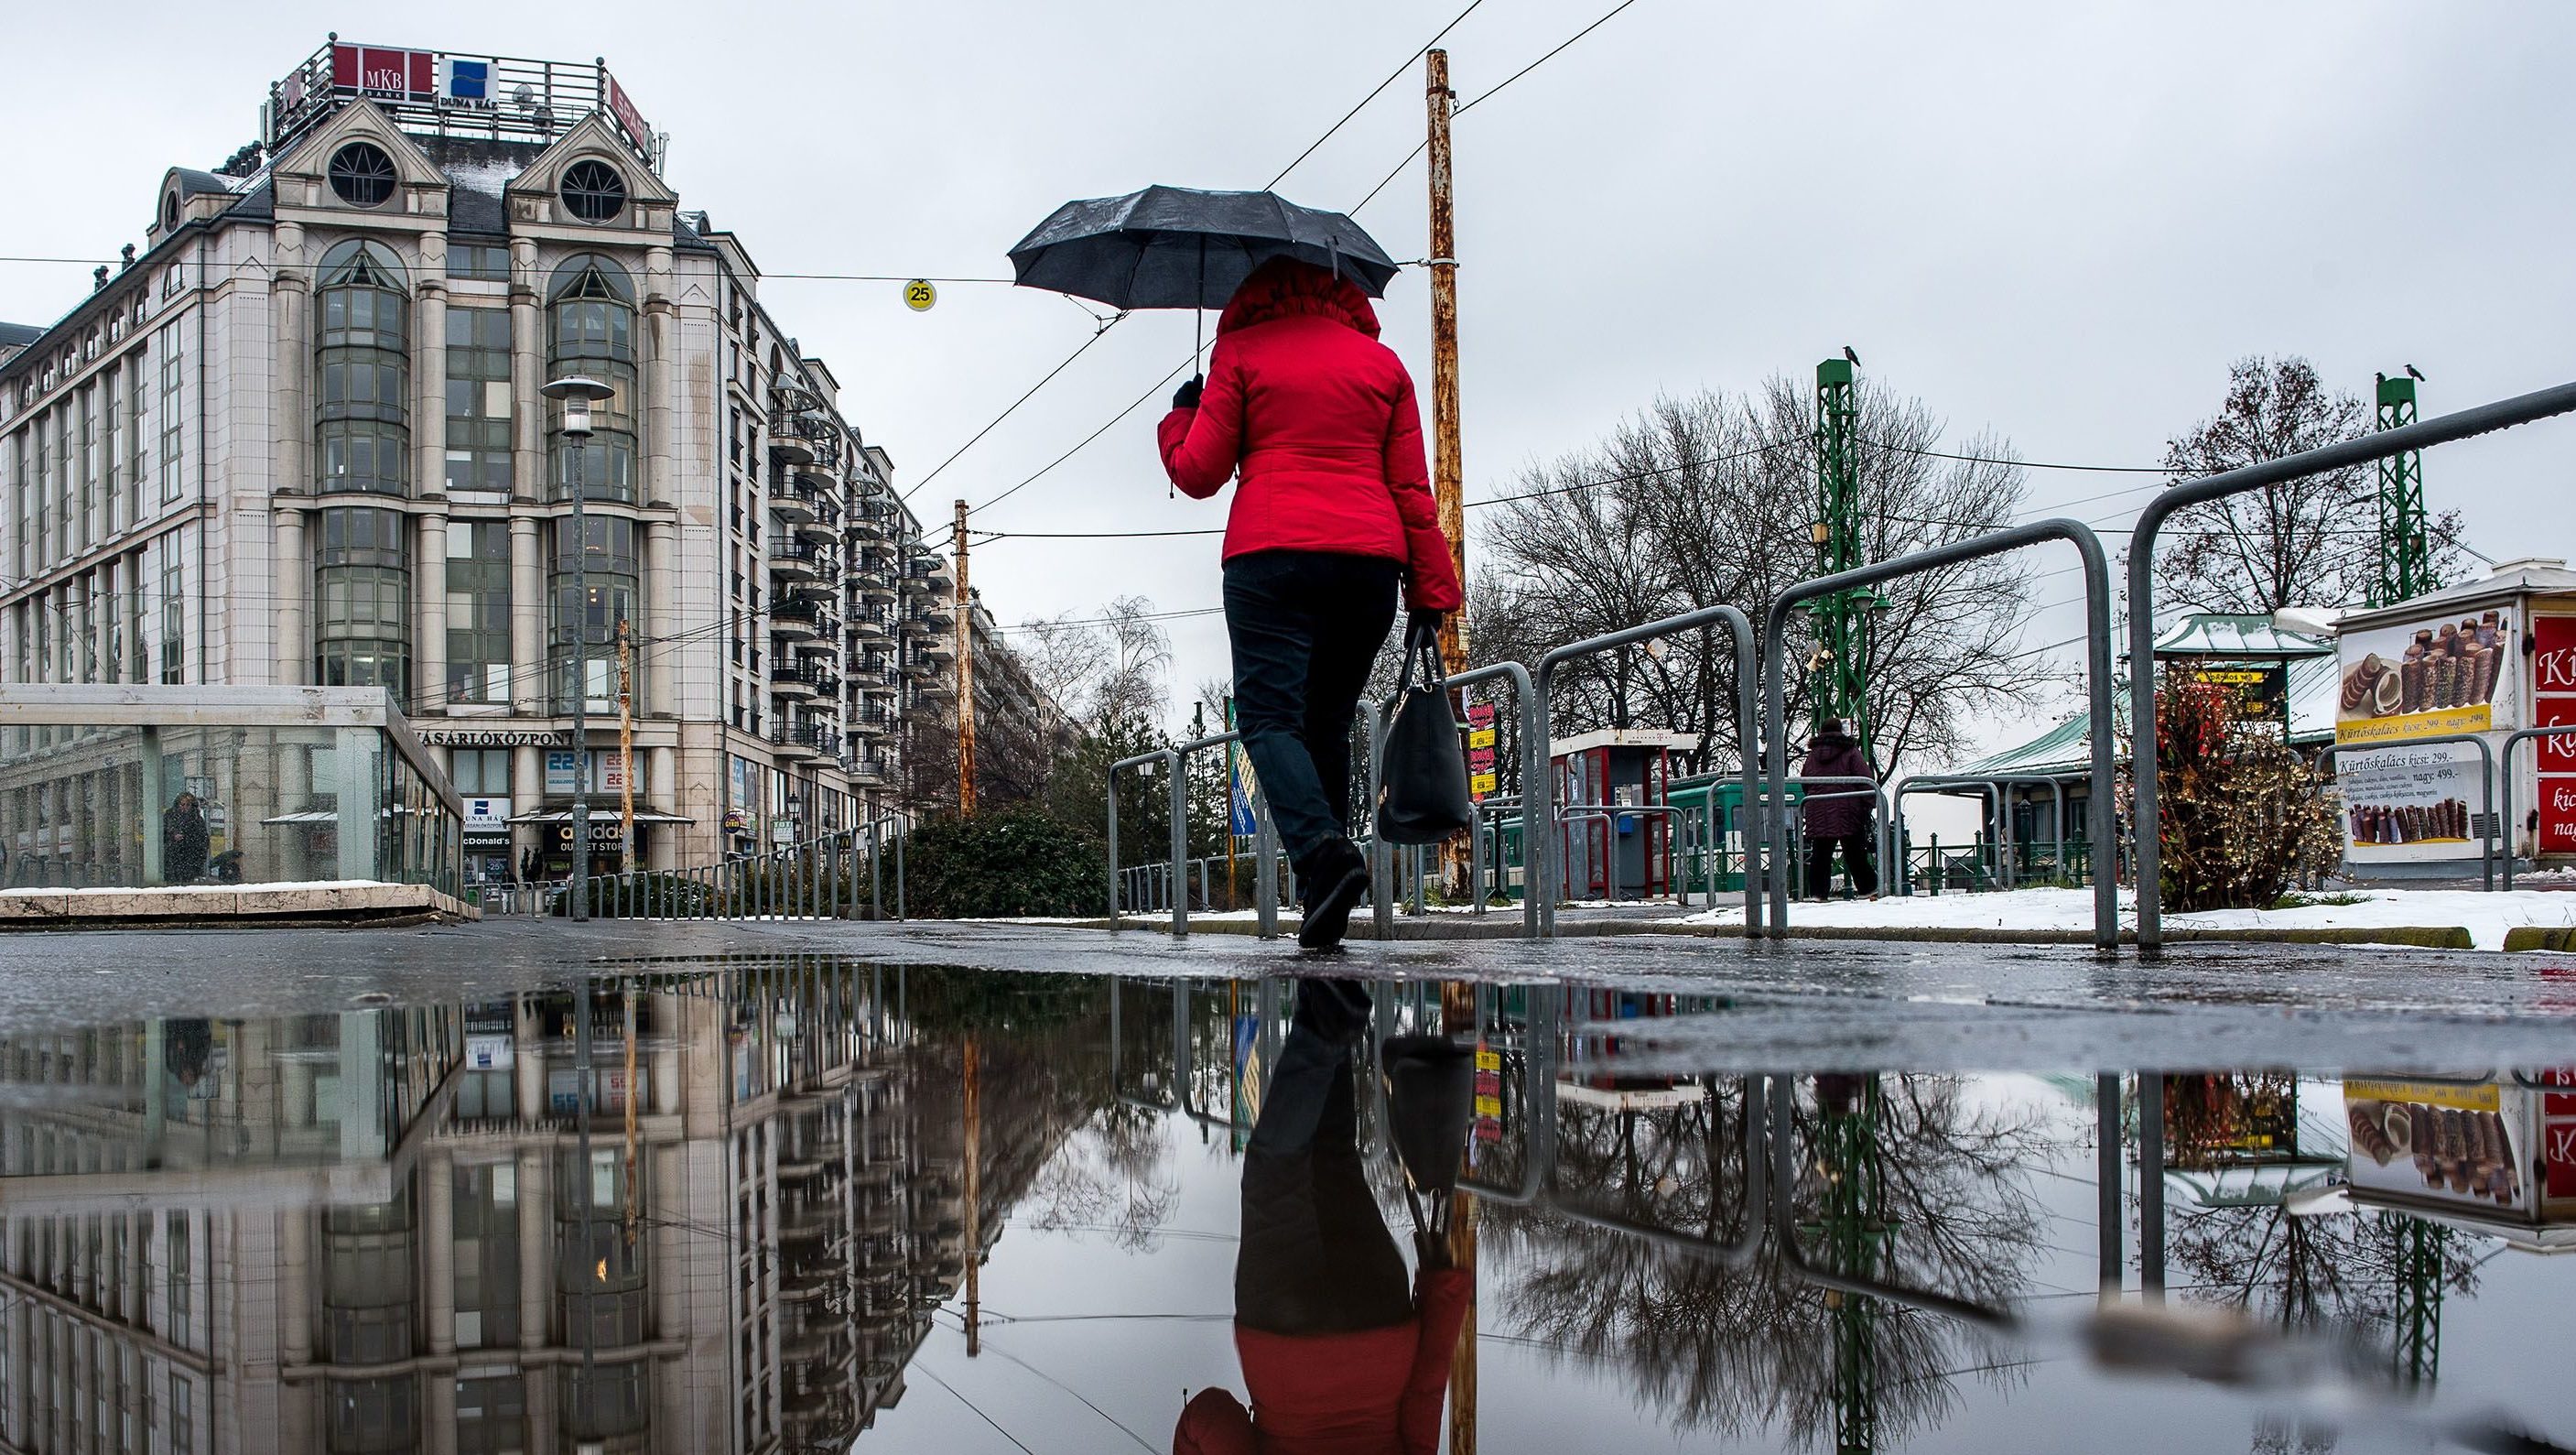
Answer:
(590, 330)
(362, 371)
(362, 593)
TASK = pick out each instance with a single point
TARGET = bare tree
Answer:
(1711, 498)
(2309, 542)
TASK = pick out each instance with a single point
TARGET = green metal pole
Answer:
(1840, 681)
(2405, 549)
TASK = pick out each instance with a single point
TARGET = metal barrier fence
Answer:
(2010, 857)
(1533, 711)
(2144, 849)
(1265, 855)
(1540, 830)
(2503, 766)
(2097, 621)
(838, 876)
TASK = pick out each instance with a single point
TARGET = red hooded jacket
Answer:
(1318, 420)
(1375, 1392)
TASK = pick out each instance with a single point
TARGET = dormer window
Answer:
(362, 175)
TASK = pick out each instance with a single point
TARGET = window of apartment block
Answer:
(22, 507)
(137, 372)
(486, 1212)
(590, 332)
(480, 772)
(491, 1415)
(609, 590)
(362, 372)
(174, 617)
(362, 594)
(479, 262)
(478, 400)
(85, 470)
(178, 1265)
(173, 379)
(478, 611)
(111, 455)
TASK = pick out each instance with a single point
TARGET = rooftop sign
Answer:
(439, 93)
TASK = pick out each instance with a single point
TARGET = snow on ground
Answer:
(2485, 916)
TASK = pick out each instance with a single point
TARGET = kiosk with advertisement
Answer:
(2485, 657)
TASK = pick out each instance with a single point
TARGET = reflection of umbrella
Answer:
(1178, 247)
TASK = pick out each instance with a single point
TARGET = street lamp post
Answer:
(577, 394)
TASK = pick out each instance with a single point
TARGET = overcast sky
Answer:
(2059, 222)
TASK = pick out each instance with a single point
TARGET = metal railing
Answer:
(1539, 831)
(840, 875)
(1533, 734)
(2503, 766)
(2097, 620)
(2145, 849)
(2008, 859)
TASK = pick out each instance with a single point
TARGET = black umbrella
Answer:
(1179, 247)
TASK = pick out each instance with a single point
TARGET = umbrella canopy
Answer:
(1179, 247)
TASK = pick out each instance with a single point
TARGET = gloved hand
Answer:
(1187, 396)
(1422, 623)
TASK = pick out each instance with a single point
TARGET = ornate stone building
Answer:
(299, 439)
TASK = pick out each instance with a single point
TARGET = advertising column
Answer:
(2400, 685)
(2553, 698)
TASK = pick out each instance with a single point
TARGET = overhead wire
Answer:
(1374, 92)
(1485, 96)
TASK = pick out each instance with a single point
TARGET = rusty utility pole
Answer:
(974, 1180)
(625, 747)
(965, 674)
(1448, 470)
(1458, 1018)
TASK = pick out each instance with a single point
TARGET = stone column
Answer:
(661, 402)
(291, 298)
(291, 576)
(528, 686)
(527, 375)
(536, 1252)
(429, 611)
(662, 774)
(661, 621)
(429, 369)
(438, 1252)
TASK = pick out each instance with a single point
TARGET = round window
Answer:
(593, 191)
(362, 175)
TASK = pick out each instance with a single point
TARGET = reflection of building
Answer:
(299, 440)
(368, 1231)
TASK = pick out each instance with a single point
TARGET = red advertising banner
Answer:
(629, 118)
(2558, 1136)
(2553, 686)
(395, 75)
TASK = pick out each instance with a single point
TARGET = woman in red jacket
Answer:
(1340, 1357)
(1316, 421)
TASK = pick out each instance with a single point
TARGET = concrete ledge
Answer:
(207, 907)
(2540, 937)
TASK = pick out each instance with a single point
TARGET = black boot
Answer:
(1431, 1100)
(1335, 875)
(1333, 1008)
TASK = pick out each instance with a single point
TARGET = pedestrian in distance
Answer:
(184, 840)
(1838, 823)
(1317, 424)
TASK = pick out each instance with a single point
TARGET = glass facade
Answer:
(478, 611)
(612, 569)
(591, 332)
(362, 372)
(362, 596)
(478, 400)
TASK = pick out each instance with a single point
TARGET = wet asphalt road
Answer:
(1804, 1004)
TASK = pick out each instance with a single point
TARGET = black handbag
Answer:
(1422, 788)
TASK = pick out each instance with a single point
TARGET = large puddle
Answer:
(800, 1204)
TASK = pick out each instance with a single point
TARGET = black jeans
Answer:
(1306, 628)
(1857, 862)
(1316, 1256)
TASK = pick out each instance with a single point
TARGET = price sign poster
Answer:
(2553, 698)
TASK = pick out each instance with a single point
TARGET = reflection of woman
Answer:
(1340, 1356)
(183, 841)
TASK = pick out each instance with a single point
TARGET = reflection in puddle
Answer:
(744, 1205)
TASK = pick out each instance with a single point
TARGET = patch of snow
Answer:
(2485, 916)
(487, 178)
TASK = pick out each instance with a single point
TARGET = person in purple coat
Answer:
(1838, 823)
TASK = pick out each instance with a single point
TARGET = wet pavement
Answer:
(986, 1188)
